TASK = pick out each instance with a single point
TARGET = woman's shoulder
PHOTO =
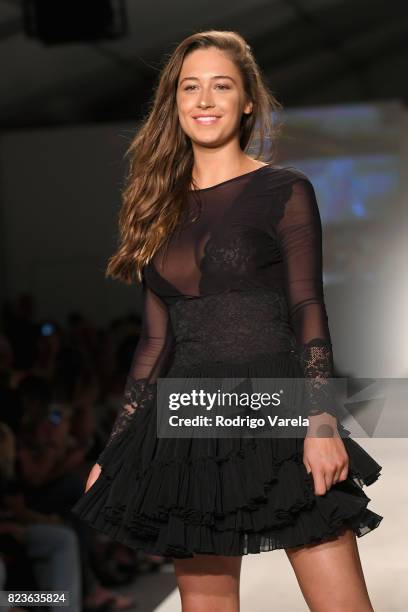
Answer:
(284, 175)
(282, 184)
(286, 191)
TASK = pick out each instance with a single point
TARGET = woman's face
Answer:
(210, 84)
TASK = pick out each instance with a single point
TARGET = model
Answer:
(229, 253)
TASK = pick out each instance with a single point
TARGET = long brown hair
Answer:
(161, 156)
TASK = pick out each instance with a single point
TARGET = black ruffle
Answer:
(177, 497)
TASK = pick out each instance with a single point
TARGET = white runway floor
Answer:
(268, 577)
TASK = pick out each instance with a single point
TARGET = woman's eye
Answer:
(220, 85)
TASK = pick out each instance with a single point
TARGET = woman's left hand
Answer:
(324, 453)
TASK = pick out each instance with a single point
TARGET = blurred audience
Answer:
(60, 390)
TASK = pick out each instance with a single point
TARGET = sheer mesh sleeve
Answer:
(151, 359)
(299, 233)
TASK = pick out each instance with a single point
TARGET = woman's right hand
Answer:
(93, 476)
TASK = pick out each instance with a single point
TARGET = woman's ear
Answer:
(248, 108)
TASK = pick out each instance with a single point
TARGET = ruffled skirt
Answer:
(178, 497)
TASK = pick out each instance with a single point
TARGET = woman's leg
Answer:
(330, 575)
(208, 582)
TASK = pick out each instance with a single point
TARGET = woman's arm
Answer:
(300, 239)
(151, 359)
(299, 233)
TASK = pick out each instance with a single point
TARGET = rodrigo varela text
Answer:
(238, 421)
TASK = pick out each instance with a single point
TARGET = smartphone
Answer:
(47, 329)
(55, 415)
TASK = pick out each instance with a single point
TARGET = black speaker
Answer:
(62, 21)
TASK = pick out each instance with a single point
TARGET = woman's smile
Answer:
(206, 119)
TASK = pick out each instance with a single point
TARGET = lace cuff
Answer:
(317, 363)
(137, 393)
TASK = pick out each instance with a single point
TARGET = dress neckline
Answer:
(234, 178)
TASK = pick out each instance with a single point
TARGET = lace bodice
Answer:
(242, 276)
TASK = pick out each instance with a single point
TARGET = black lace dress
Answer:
(239, 293)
